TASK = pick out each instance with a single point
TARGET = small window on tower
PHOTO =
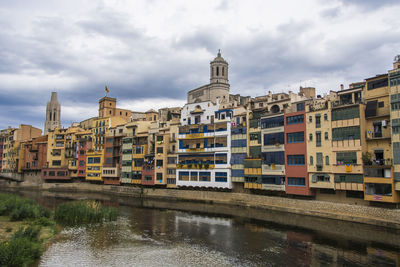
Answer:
(217, 71)
(223, 71)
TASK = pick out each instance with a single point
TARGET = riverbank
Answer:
(389, 218)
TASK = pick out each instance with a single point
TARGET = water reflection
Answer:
(154, 233)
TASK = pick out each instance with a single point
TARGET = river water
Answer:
(156, 233)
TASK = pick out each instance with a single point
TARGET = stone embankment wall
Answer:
(345, 212)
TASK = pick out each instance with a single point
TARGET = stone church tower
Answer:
(218, 88)
(219, 70)
(53, 111)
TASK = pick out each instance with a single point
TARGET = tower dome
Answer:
(219, 70)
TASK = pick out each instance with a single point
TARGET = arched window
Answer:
(223, 71)
(50, 116)
(311, 160)
(217, 71)
(326, 160)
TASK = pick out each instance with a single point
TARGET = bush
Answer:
(20, 208)
(23, 248)
(84, 212)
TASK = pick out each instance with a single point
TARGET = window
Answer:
(82, 152)
(310, 119)
(204, 176)
(274, 139)
(272, 122)
(295, 119)
(323, 178)
(295, 137)
(317, 121)
(109, 150)
(310, 137)
(318, 138)
(377, 84)
(92, 160)
(326, 136)
(221, 177)
(381, 104)
(56, 162)
(159, 150)
(300, 106)
(295, 159)
(81, 163)
(311, 160)
(159, 176)
(326, 160)
(159, 163)
(325, 117)
(171, 171)
(346, 133)
(346, 158)
(345, 113)
(296, 181)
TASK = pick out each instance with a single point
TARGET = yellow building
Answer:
(165, 154)
(94, 165)
(13, 156)
(348, 144)
(394, 83)
(101, 128)
(383, 121)
(319, 147)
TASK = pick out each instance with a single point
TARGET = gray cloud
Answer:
(44, 47)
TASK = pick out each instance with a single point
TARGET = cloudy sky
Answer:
(151, 52)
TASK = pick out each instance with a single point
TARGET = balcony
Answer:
(378, 135)
(273, 187)
(378, 163)
(347, 102)
(111, 172)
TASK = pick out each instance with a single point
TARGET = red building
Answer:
(148, 170)
(35, 154)
(55, 174)
(296, 151)
(84, 144)
(112, 159)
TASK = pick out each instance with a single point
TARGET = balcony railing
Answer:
(377, 135)
(378, 163)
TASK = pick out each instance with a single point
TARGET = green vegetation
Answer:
(34, 226)
(25, 225)
(84, 212)
(23, 248)
(20, 208)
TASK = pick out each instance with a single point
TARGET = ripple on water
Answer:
(81, 246)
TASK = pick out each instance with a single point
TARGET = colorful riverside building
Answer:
(35, 156)
(394, 83)
(62, 155)
(84, 144)
(378, 162)
(252, 163)
(112, 155)
(318, 139)
(94, 166)
(238, 146)
(273, 152)
(166, 153)
(204, 146)
(348, 144)
(297, 181)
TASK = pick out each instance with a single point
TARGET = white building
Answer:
(204, 146)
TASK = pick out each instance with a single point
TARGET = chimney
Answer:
(341, 87)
